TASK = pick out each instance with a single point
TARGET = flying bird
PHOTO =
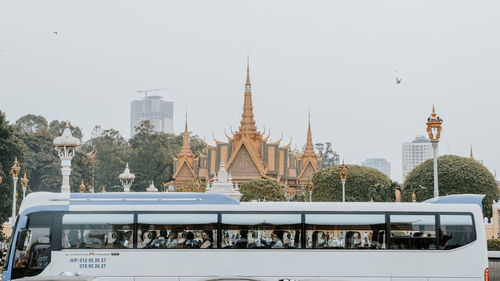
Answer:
(398, 80)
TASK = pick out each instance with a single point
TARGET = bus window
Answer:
(345, 231)
(413, 232)
(97, 231)
(32, 252)
(455, 231)
(261, 231)
(177, 231)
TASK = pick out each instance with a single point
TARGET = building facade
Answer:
(153, 108)
(415, 152)
(380, 164)
(248, 154)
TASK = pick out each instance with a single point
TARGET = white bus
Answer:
(196, 236)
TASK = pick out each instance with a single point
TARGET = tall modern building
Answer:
(415, 152)
(380, 164)
(154, 109)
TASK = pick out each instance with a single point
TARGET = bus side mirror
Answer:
(20, 239)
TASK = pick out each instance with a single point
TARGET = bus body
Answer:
(195, 236)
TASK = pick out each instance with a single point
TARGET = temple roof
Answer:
(186, 147)
(309, 150)
(247, 124)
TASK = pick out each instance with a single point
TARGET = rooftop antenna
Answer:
(146, 91)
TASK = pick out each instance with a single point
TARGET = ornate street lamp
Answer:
(434, 130)
(24, 184)
(65, 146)
(126, 178)
(82, 187)
(310, 187)
(14, 172)
(343, 178)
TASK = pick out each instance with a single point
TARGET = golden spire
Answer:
(309, 150)
(247, 123)
(471, 156)
(186, 147)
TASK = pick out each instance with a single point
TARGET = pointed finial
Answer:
(126, 165)
(433, 111)
(248, 74)
(471, 156)
(67, 124)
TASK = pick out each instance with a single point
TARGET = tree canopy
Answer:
(328, 186)
(456, 175)
(327, 154)
(263, 190)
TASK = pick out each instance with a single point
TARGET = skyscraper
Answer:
(415, 152)
(154, 109)
(380, 164)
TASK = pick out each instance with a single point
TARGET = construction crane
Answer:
(152, 90)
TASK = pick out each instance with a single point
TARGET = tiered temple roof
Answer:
(249, 154)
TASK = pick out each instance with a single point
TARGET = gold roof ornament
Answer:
(247, 124)
(434, 126)
(413, 197)
(186, 146)
(471, 156)
(309, 150)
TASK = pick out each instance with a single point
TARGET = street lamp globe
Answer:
(126, 179)
(82, 187)
(434, 131)
(434, 126)
(14, 170)
(65, 146)
(343, 178)
(24, 184)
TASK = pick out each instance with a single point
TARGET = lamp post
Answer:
(14, 172)
(310, 187)
(126, 178)
(434, 130)
(65, 146)
(343, 178)
(82, 187)
(24, 184)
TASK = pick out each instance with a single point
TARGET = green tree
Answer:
(327, 154)
(456, 175)
(32, 123)
(152, 154)
(263, 190)
(11, 146)
(42, 162)
(328, 186)
(112, 153)
(56, 129)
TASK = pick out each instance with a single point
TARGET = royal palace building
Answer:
(248, 154)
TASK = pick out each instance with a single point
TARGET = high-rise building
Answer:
(380, 164)
(153, 108)
(415, 152)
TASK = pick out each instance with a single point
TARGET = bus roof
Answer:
(177, 201)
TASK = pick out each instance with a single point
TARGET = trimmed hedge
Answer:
(360, 179)
(456, 175)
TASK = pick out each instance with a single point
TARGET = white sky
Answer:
(337, 58)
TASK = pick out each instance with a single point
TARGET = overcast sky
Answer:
(338, 58)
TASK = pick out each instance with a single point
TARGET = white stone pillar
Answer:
(435, 150)
(14, 200)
